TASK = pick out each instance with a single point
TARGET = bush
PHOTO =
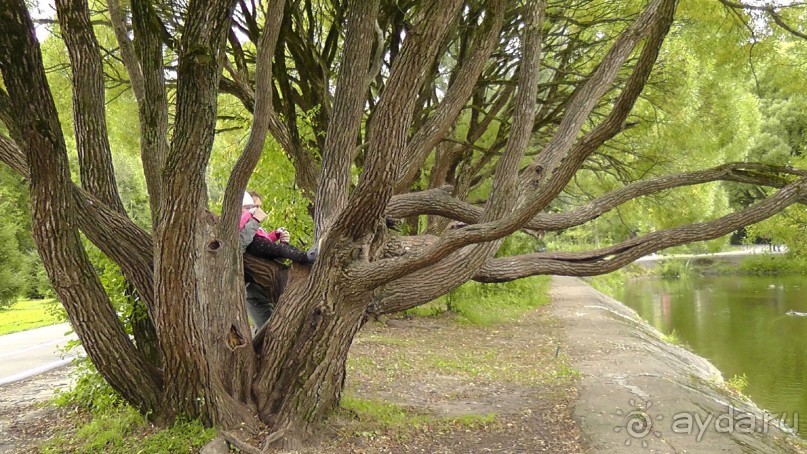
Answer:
(91, 392)
(676, 269)
(774, 264)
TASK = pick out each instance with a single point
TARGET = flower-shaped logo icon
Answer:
(638, 423)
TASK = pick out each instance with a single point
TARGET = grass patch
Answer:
(676, 269)
(672, 338)
(490, 304)
(473, 364)
(373, 418)
(391, 366)
(28, 314)
(123, 430)
(103, 423)
(564, 371)
(737, 383)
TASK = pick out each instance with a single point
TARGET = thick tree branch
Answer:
(439, 202)
(261, 117)
(153, 105)
(13, 156)
(348, 108)
(127, 51)
(194, 331)
(89, 114)
(387, 137)
(614, 123)
(609, 259)
(502, 196)
(396, 296)
(655, 19)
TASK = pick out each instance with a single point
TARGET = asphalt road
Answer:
(32, 352)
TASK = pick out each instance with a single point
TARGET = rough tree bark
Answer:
(386, 85)
(54, 215)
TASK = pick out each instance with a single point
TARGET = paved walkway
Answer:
(740, 252)
(641, 394)
(32, 352)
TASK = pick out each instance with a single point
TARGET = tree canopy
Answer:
(470, 121)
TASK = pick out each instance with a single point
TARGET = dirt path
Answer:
(24, 421)
(641, 394)
(497, 389)
(414, 385)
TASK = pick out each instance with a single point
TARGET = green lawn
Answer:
(27, 314)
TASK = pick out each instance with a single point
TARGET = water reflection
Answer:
(740, 324)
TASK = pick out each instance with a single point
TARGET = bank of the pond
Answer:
(638, 392)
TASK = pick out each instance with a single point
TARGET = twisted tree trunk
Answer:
(189, 272)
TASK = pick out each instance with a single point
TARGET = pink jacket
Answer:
(246, 216)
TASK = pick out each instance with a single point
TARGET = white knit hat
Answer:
(247, 200)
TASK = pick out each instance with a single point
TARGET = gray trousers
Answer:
(259, 307)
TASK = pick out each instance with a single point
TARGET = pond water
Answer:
(740, 323)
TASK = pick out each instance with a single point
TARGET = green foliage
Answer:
(13, 269)
(676, 269)
(489, 304)
(384, 414)
(703, 106)
(672, 338)
(28, 314)
(91, 392)
(787, 228)
(132, 187)
(774, 264)
(39, 286)
(15, 240)
(114, 426)
(737, 383)
(520, 243)
(183, 436)
(121, 429)
(118, 290)
(564, 371)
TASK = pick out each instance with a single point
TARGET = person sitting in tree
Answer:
(269, 245)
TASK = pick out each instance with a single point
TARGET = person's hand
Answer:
(259, 214)
(283, 235)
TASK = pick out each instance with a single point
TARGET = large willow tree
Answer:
(426, 101)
